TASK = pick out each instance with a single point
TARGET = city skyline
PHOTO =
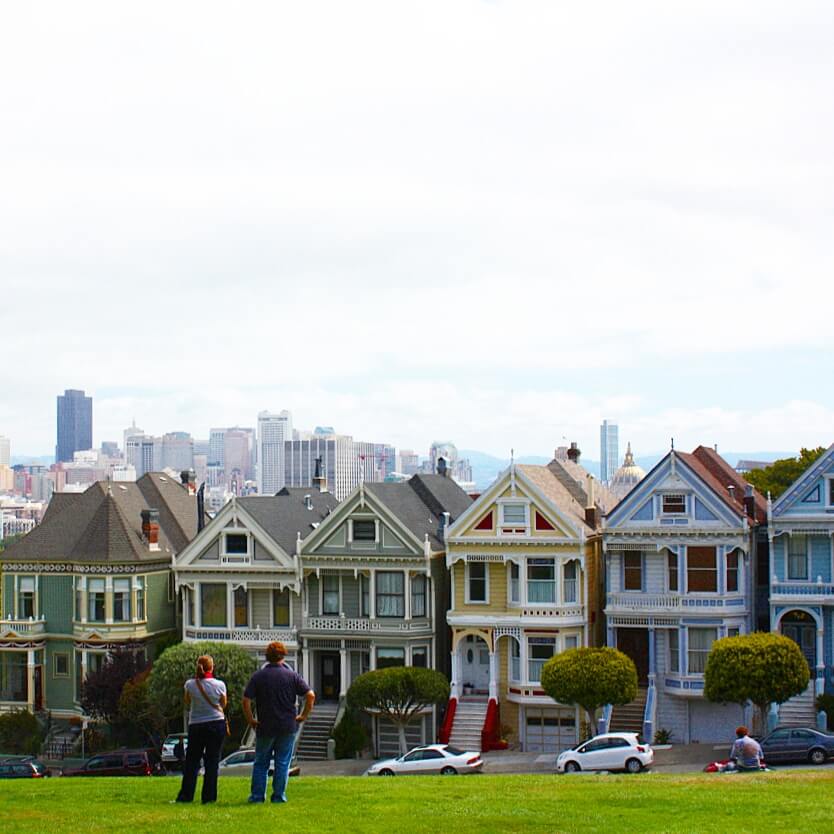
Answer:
(570, 212)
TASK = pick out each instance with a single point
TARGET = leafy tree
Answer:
(349, 735)
(777, 477)
(762, 668)
(102, 688)
(590, 678)
(399, 693)
(20, 733)
(138, 719)
(232, 664)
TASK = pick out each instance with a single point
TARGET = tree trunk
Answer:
(591, 715)
(401, 733)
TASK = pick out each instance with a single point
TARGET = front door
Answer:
(635, 643)
(330, 668)
(801, 628)
(475, 666)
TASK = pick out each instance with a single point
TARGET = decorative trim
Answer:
(69, 567)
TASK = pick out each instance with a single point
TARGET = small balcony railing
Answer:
(801, 589)
(24, 627)
(241, 634)
(364, 624)
(636, 601)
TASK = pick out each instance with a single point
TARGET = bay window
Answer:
(241, 606)
(330, 597)
(569, 589)
(541, 581)
(515, 595)
(418, 596)
(419, 656)
(672, 565)
(281, 608)
(732, 571)
(95, 601)
(140, 598)
(364, 595)
(476, 583)
(700, 642)
(79, 598)
(539, 651)
(701, 570)
(121, 600)
(674, 652)
(26, 597)
(515, 660)
(632, 571)
(390, 594)
(213, 604)
(387, 656)
(797, 556)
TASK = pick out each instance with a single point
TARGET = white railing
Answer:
(243, 635)
(672, 602)
(28, 625)
(802, 589)
(364, 624)
(556, 612)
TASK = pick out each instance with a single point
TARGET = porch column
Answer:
(612, 637)
(455, 682)
(493, 674)
(343, 676)
(819, 682)
(372, 657)
(108, 600)
(525, 668)
(30, 679)
(407, 593)
(652, 663)
(230, 606)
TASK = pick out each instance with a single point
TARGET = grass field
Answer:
(776, 802)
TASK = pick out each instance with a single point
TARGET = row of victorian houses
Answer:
(420, 574)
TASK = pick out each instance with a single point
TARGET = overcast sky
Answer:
(489, 222)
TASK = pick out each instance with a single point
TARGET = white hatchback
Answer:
(611, 751)
(433, 758)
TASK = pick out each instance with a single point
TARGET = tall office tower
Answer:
(238, 448)
(143, 452)
(131, 431)
(217, 438)
(409, 462)
(5, 451)
(273, 431)
(177, 451)
(609, 450)
(75, 424)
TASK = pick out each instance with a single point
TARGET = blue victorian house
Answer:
(801, 532)
(680, 572)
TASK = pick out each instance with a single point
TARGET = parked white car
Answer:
(168, 757)
(433, 758)
(611, 751)
(240, 763)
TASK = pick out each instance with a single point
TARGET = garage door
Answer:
(710, 722)
(549, 730)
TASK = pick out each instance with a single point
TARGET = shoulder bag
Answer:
(213, 705)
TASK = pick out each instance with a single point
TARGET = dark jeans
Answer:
(204, 742)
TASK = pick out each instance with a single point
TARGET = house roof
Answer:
(285, 515)
(420, 502)
(717, 474)
(104, 524)
(576, 479)
(724, 474)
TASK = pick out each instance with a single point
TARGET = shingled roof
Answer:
(104, 524)
(420, 502)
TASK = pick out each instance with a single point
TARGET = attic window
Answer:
(674, 503)
(237, 544)
(364, 530)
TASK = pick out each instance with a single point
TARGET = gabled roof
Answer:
(420, 502)
(804, 481)
(577, 480)
(561, 488)
(285, 515)
(721, 476)
(104, 524)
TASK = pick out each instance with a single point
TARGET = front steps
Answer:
(628, 718)
(799, 711)
(316, 730)
(470, 715)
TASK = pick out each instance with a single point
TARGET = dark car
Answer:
(797, 744)
(24, 767)
(118, 763)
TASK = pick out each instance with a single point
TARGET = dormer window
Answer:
(235, 549)
(364, 530)
(514, 519)
(673, 503)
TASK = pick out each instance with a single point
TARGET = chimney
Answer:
(308, 502)
(591, 515)
(573, 452)
(319, 478)
(150, 528)
(441, 467)
(749, 501)
(443, 522)
(188, 478)
(732, 490)
(201, 507)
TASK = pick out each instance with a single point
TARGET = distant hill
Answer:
(25, 460)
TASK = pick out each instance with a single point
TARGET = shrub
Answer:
(825, 703)
(590, 678)
(20, 733)
(350, 736)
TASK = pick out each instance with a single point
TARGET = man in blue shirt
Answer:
(275, 689)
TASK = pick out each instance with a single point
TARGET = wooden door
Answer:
(635, 643)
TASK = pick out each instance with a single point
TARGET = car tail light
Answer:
(641, 749)
(473, 760)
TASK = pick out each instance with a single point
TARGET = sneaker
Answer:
(253, 800)
(277, 800)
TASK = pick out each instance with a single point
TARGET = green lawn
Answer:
(790, 802)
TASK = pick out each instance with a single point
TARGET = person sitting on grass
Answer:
(746, 751)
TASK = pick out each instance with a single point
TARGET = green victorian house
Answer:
(95, 574)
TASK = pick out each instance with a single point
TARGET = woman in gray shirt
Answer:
(205, 696)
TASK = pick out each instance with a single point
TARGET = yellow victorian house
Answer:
(525, 567)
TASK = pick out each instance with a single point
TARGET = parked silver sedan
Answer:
(433, 758)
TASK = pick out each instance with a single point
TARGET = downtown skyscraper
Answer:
(609, 450)
(75, 424)
(273, 431)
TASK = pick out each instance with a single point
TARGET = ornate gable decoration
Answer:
(812, 492)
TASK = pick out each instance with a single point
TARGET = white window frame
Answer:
(517, 600)
(19, 596)
(689, 649)
(321, 595)
(807, 577)
(573, 637)
(289, 607)
(366, 542)
(467, 598)
(673, 514)
(501, 524)
(236, 559)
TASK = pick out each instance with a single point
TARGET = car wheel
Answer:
(817, 756)
(386, 772)
(448, 771)
(572, 767)
(633, 766)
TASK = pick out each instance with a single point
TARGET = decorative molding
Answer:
(69, 567)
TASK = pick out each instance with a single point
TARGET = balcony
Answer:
(629, 603)
(241, 634)
(26, 628)
(121, 630)
(365, 625)
(799, 592)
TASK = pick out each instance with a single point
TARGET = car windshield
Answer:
(453, 751)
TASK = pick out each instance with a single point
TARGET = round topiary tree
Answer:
(232, 664)
(590, 678)
(399, 693)
(761, 668)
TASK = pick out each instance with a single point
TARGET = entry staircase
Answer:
(799, 711)
(470, 715)
(312, 745)
(628, 718)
